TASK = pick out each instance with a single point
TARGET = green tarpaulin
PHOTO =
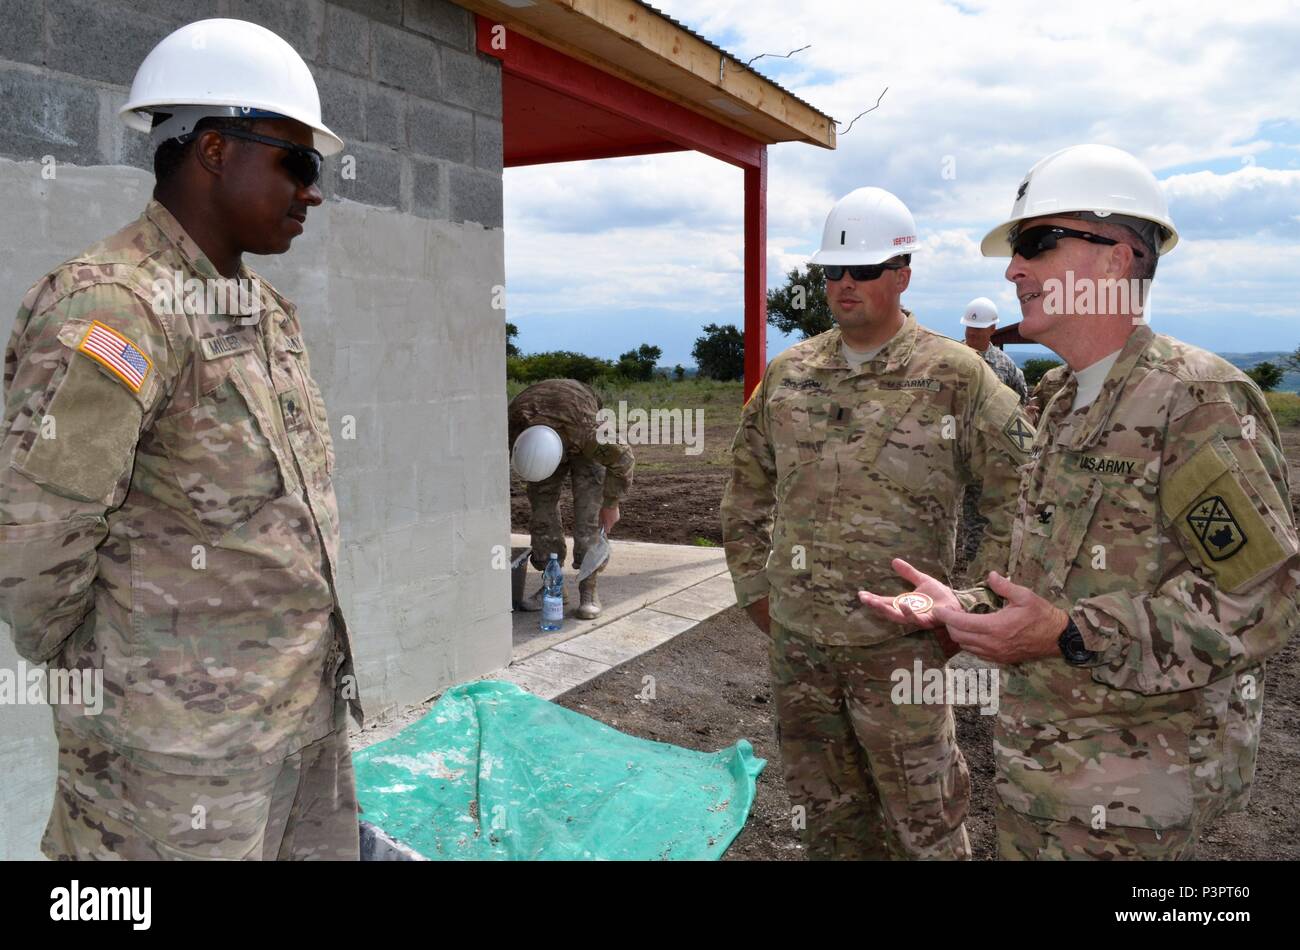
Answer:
(492, 772)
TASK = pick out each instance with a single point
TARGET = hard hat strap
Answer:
(180, 120)
(1150, 232)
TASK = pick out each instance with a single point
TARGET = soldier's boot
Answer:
(533, 602)
(589, 608)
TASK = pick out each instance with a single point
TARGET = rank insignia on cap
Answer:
(1215, 527)
(117, 354)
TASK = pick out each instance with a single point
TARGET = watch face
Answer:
(1073, 648)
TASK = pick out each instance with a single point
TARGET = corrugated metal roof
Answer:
(708, 42)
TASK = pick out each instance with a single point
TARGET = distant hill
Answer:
(1290, 382)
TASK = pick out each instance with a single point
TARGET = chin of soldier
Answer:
(1034, 320)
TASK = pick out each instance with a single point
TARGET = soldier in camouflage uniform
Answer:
(1154, 559)
(168, 518)
(855, 447)
(599, 469)
(980, 320)
(1044, 390)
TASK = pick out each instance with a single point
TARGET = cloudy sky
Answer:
(602, 256)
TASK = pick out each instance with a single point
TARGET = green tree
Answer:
(640, 363)
(559, 364)
(1292, 362)
(1036, 369)
(679, 372)
(1266, 375)
(720, 353)
(800, 306)
(512, 331)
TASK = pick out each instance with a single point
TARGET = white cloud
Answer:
(1179, 85)
(1253, 201)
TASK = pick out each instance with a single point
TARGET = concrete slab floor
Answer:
(649, 594)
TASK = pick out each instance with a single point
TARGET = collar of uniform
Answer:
(900, 346)
(165, 222)
(1100, 411)
(893, 355)
(271, 301)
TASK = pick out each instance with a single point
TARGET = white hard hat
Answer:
(980, 313)
(867, 226)
(224, 68)
(537, 453)
(1096, 179)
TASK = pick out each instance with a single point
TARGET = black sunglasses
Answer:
(1033, 241)
(303, 163)
(859, 272)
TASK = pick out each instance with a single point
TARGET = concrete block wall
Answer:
(401, 82)
(393, 280)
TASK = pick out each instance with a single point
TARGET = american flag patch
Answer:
(122, 357)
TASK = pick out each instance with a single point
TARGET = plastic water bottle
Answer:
(553, 595)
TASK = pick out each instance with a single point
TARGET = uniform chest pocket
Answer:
(302, 407)
(1049, 534)
(224, 451)
(876, 417)
(916, 451)
(799, 430)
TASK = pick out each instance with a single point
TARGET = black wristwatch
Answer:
(1072, 646)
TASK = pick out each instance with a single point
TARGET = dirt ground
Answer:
(711, 689)
(712, 684)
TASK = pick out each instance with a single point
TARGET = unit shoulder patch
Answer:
(1018, 430)
(1216, 528)
(1224, 521)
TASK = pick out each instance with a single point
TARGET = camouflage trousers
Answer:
(1028, 838)
(873, 779)
(588, 480)
(108, 808)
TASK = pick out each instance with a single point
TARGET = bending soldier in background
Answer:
(599, 471)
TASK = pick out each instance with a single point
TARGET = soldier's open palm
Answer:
(932, 587)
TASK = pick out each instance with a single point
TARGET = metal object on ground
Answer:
(596, 556)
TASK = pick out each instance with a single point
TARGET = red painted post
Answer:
(755, 271)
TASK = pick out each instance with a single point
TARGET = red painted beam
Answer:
(548, 157)
(755, 272)
(555, 70)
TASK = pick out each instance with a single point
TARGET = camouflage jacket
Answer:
(167, 513)
(836, 472)
(1160, 518)
(569, 407)
(1007, 371)
(1044, 390)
